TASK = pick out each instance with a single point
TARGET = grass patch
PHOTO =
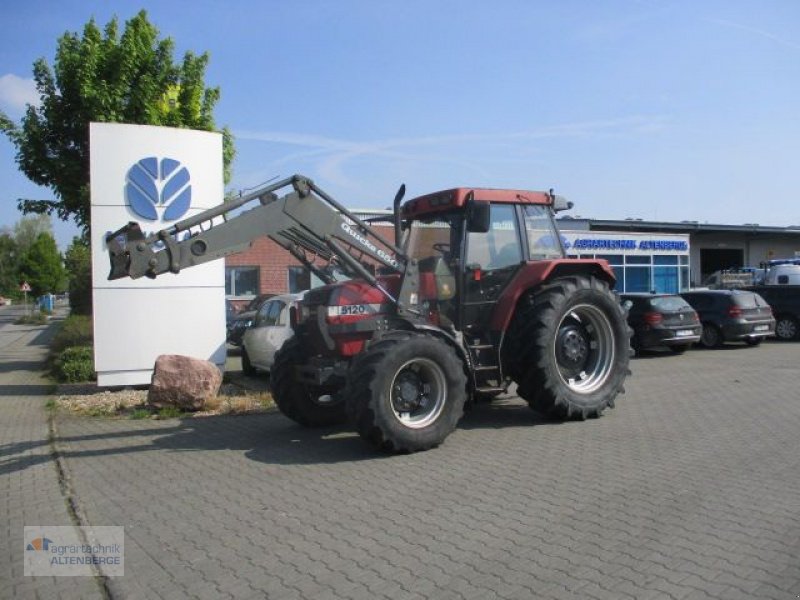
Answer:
(37, 318)
(132, 404)
(140, 413)
(169, 412)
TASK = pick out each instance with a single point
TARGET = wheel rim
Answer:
(418, 393)
(786, 329)
(584, 348)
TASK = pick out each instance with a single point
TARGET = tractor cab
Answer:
(470, 243)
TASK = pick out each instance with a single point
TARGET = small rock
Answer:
(183, 382)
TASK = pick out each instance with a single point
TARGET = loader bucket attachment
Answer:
(118, 244)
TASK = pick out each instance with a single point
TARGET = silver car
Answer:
(270, 329)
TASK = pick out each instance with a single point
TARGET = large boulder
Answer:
(183, 382)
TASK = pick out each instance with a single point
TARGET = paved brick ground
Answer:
(689, 489)
(29, 488)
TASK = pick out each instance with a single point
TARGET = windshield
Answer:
(432, 238)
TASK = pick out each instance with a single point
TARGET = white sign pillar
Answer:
(155, 176)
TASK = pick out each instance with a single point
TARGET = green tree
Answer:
(78, 264)
(8, 265)
(104, 77)
(41, 266)
(28, 229)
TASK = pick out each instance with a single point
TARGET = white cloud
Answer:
(332, 155)
(16, 92)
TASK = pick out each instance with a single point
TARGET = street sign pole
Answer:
(25, 288)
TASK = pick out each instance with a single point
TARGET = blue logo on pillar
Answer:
(155, 186)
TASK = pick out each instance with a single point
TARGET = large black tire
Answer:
(247, 366)
(786, 328)
(307, 405)
(406, 392)
(569, 348)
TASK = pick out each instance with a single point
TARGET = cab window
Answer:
(543, 239)
(499, 247)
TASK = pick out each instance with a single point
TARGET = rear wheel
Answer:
(786, 328)
(305, 404)
(711, 337)
(406, 392)
(569, 348)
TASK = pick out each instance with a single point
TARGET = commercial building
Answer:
(645, 255)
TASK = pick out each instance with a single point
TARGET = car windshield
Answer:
(669, 303)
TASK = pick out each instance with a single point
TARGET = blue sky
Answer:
(645, 109)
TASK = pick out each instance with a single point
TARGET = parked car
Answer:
(244, 319)
(660, 320)
(731, 315)
(271, 328)
(785, 303)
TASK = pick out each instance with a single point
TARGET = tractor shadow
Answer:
(268, 438)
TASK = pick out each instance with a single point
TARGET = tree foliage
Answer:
(8, 265)
(78, 264)
(28, 229)
(103, 76)
(41, 266)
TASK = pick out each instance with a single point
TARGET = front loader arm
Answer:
(306, 221)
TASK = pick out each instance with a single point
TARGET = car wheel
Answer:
(786, 328)
(711, 336)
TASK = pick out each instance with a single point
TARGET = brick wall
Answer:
(273, 262)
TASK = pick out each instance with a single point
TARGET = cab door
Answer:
(490, 261)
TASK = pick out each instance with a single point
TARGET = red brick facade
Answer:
(273, 263)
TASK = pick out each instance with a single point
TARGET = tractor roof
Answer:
(438, 202)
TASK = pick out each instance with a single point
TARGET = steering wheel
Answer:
(441, 247)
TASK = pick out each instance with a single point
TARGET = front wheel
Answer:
(305, 404)
(406, 392)
(569, 348)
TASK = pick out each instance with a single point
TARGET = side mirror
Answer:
(478, 215)
(560, 203)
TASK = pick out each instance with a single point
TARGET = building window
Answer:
(299, 279)
(241, 282)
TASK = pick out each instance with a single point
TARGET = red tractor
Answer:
(473, 293)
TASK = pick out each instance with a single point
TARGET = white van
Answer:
(783, 275)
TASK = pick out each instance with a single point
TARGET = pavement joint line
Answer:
(70, 498)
